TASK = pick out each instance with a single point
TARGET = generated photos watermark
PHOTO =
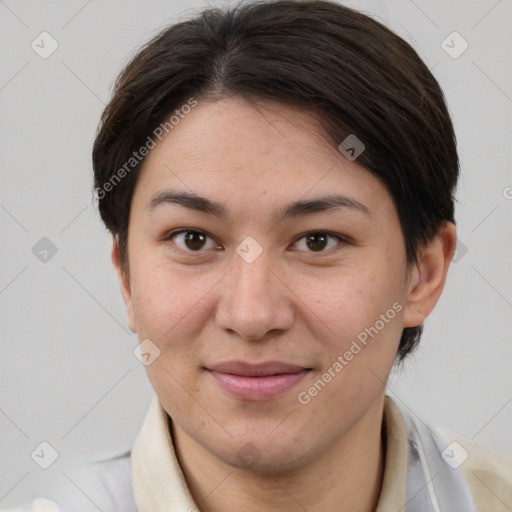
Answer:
(137, 156)
(304, 397)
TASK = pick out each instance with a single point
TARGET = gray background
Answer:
(69, 376)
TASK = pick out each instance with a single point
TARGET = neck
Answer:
(347, 478)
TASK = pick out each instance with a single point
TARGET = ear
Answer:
(427, 278)
(124, 283)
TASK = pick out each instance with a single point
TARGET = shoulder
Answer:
(104, 485)
(487, 472)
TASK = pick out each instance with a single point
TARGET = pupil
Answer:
(317, 241)
(194, 240)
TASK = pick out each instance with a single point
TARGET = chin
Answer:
(266, 460)
(259, 453)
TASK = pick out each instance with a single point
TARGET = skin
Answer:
(291, 304)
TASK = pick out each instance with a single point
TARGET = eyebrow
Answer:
(294, 209)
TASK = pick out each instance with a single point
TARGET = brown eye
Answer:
(192, 241)
(317, 241)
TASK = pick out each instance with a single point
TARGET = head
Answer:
(278, 179)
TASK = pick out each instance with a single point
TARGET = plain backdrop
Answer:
(68, 373)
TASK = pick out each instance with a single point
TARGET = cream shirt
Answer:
(150, 478)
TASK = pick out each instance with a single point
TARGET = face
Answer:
(270, 272)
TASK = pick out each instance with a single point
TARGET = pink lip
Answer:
(257, 381)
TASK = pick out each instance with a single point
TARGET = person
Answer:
(279, 179)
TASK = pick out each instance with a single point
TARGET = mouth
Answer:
(257, 382)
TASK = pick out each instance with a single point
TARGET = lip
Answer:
(257, 382)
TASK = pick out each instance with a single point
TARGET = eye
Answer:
(192, 241)
(317, 241)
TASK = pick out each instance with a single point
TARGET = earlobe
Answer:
(124, 284)
(427, 279)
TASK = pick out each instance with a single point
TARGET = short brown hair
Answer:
(350, 71)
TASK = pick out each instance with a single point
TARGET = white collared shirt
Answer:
(149, 478)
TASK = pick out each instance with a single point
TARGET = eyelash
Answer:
(341, 239)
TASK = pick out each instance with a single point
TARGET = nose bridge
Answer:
(252, 262)
(253, 281)
(254, 277)
(254, 301)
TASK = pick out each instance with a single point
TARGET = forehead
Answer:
(246, 155)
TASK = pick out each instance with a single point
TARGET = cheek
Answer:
(170, 311)
(358, 312)
(167, 301)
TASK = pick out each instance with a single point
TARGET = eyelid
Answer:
(170, 235)
(341, 240)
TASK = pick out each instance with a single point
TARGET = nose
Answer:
(255, 300)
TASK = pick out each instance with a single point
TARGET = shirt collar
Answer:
(159, 483)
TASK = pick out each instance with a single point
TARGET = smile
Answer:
(257, 382)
